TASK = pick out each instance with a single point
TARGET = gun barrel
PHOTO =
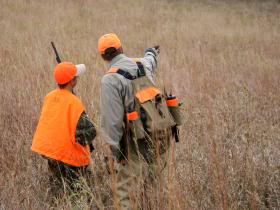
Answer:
(56, 53)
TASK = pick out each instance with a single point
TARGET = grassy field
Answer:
(221, 58)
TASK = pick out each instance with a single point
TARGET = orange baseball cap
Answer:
(107, 41)
(64, 72)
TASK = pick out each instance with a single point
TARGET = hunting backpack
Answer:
(150, 117)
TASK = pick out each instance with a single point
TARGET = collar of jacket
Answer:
(116, 60)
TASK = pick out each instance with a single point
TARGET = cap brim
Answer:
(81, 68)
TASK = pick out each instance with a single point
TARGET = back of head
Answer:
(109, 46)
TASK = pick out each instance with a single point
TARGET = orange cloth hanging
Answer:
(55, 134)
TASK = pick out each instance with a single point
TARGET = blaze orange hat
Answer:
(107, 41)
(64, 72)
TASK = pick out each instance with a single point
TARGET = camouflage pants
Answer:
(63, 176)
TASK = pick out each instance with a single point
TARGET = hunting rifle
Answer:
(58, 60)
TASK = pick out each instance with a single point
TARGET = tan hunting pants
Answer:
(135, 180)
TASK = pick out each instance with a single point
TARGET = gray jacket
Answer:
(117, 97)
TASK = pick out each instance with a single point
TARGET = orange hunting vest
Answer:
(55, 134)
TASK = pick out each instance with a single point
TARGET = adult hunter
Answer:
(64, 133)
(135, 119)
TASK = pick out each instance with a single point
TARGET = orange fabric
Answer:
(113, 70)
(136, 60)
(64, 72)
(132, 116)
(55, 134)
(108, 41)
(172, 102)
(147, 94)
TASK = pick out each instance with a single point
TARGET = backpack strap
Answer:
(136, 59)
(140, 72)
(112, 70)
(125, 74)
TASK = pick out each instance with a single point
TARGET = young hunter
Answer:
(134, 152)
(64, 133)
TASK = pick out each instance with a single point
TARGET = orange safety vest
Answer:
(55, 134)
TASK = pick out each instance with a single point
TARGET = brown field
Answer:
(221, 58)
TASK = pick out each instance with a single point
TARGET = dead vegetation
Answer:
(221, 58)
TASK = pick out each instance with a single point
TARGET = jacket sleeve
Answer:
(112, 110)
(85, 131)
(150, 61)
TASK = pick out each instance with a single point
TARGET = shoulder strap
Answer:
(140, 72)
(112, 70)
(125, 74)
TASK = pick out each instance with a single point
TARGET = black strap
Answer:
(126, 74)
(140, 72)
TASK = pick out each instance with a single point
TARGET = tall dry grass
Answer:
(221, 58)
